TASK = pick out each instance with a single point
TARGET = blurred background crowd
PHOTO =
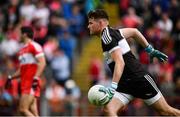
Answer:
(74, 60)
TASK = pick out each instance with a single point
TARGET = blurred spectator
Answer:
(55, 95)
(27, 10)
(176, 76)
(176, 37)
(6, 103)
(106, 80)
(165, 23)
(54, 27)
(12, 49)
(154, 68)
(95, 70)
(56, 7)
(13, 32)
(131, 20)
(68, 44)
(76, 21)
(72, 98)
(89, 5)
(144, 11)
(42, 13)
(40, 31)
(136, 107)
(61, 25)
(50, 46)
(1, 20)
(6, 99)
(3, 2)
(2, 36)
(144, 58)
(174, 6)
(156, 12)
(67, 4)
(92, 4)
(60, 67)
(153, 34)
(11, 12)
(123, 6)
(166, 79)
(164, 4)
(167, 46)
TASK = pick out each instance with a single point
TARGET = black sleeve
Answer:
(109, 46)
(110, 38)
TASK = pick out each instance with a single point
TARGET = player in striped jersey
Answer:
(130, 80)
(32, 64)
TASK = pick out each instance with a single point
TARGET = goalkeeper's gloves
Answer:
(35, 82)
(109, 93)
(155, 53)
(8, 83)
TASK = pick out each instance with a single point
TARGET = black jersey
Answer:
(112, 39)
(135, 80)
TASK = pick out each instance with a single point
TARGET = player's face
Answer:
(94, 27)
(22, 37)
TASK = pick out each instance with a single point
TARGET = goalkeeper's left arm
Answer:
(116, 55)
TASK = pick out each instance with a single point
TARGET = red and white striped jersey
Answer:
(27, 58)
(29, 52)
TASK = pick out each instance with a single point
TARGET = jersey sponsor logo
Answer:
(27, 58)
(148, 94)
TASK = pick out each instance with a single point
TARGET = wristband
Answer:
(149, 49)
(9, 77)
(114, 85)
(36, 77)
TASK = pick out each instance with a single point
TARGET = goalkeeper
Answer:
(130, 80)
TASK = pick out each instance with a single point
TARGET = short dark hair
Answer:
(98, 14)
(28, 31)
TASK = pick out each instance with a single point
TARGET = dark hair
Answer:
(98, 14)
(28, 31)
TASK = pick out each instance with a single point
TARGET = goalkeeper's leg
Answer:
(163, 108)
(113, 107)
(117, 103)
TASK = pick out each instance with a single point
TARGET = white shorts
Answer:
(126, 98)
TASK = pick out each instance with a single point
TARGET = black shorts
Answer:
(144, 88)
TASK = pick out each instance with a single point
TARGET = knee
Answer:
(23, 111)
(110, 111)
(34, 111)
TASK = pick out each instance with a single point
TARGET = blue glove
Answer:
(109, 93)
(155, 53)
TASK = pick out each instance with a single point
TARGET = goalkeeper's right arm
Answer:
(135, 34)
